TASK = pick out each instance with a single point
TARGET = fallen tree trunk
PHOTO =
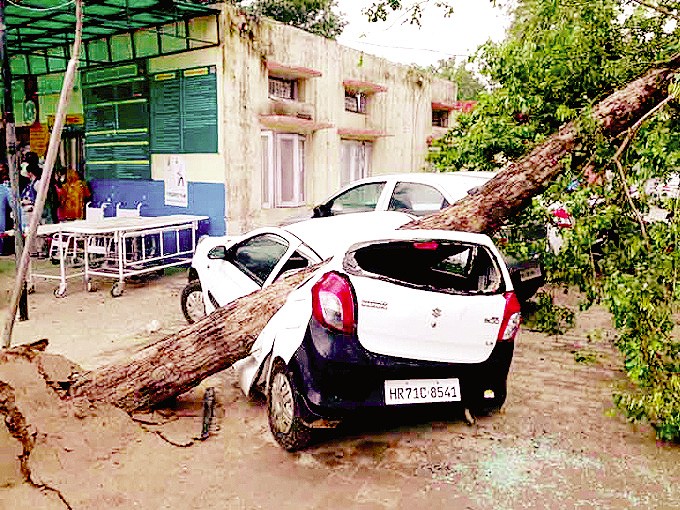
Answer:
(179, 362)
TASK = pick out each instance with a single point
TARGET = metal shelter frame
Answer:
(43, 29)
(42, 32)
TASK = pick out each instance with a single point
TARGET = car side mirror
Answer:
(218, 253)
(322, 211)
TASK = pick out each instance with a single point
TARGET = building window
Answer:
(355, 102)
(355, 160)
(440, 118)
(283, 88)
(283, 169)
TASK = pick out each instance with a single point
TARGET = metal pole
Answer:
(52, 149)
(11, 152)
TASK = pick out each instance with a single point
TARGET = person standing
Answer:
(71, 196)
(6, 222)
(30, 193)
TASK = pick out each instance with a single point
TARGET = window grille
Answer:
(440, 118)
(355, 102)
(280, 87)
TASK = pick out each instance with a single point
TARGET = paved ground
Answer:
(555, 444)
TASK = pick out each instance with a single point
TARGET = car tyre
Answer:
(193, 307)
(283, 409)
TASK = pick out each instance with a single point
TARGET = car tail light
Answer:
(333, 303)
(563, 218)
(511, 319)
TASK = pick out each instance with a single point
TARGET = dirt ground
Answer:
(556, 444)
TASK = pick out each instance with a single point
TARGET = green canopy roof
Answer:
(45, 28)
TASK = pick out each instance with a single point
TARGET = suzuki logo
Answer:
(436, 313)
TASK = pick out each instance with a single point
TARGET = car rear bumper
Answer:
(336, 375)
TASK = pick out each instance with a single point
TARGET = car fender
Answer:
(280, 338)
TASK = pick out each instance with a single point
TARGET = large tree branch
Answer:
(509, 192)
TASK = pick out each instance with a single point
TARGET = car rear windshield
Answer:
(443, 266)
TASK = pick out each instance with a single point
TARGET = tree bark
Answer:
(179, 362)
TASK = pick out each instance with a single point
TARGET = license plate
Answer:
(530, 273)
(417, 391)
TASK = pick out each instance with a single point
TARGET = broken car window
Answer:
(444, 266)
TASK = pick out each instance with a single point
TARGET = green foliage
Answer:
(545, 316)
(559, 59)
(315, 16)
(380, 10)
(469, 87)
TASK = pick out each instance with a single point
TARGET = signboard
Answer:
(116, 106)
(39, 138)
(71, 119)
(176, 185)
(199, 102)
(166, 124)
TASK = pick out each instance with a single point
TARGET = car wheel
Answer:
(193, 307)
(283, 406)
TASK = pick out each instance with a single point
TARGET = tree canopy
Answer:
(315, 16)
(469, 86)
(559, 58)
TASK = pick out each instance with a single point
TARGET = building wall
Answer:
(402, 113)
(206, 174)
(227, 185)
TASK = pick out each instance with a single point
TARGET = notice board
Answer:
(184, 111)
(116, 104)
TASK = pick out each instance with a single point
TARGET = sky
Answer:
(472, 24)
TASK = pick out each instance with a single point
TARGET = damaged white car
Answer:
(394, 318)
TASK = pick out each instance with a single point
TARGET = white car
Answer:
(228, 267)
(395, 318)
(415, 193)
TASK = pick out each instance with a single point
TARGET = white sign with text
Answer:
(176, 185)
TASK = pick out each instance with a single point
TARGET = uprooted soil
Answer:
(557, 443)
